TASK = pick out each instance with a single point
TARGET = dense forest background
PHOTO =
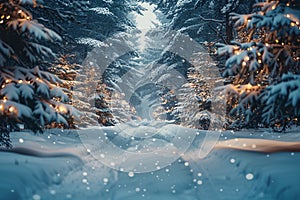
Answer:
(51, 77)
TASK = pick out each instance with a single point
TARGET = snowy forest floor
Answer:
(81, 164)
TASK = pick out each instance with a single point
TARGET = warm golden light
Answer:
(62, 109)
(248, 86)
(236, 52)
(11, 109)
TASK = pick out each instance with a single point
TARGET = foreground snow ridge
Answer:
(150, 160)
(138, 146)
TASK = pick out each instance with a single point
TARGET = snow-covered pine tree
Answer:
(28, 94)
(263, 65)
(100, 102)
(121, 108)
(194, 17)
(120, 79)
(199, 105)
(102, 105)
(194, 102)
(85, 95)
(69, 19)
(68, 74)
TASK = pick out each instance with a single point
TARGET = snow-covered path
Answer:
(65, 165)
(145, 23)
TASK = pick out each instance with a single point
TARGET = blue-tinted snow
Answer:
(56, 165)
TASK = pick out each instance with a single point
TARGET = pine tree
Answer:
(28, 93)
(103, 106)
(194, 17)
(120, 80)
(199, 101)
(85, 93)
(263, 65)
(68, 73)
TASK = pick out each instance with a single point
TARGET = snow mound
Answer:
(71, 165)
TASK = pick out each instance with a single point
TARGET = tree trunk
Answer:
(228, 26)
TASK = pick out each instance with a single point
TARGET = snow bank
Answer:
(60, 165)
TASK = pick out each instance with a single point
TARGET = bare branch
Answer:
(218, 34)
(211, 20)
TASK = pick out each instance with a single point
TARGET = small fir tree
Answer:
(199, 103)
